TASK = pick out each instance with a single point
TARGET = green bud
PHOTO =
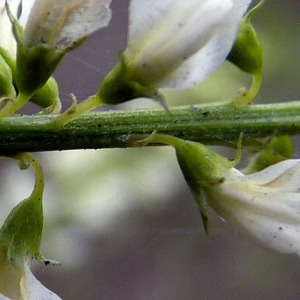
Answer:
(120, 86)
(48, 97)
(6, 80)
(280, 148)
(246, 52)
(22, 229)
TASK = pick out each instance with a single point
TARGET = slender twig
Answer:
(209, 124)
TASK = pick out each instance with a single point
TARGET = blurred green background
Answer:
(123, 221)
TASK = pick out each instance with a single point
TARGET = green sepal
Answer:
(48, 97)
(34, 67)
(120, 86)
(280, 148)
(201, 167)
(10, 61)
(21, 232)
(246, 52)
(6, 80)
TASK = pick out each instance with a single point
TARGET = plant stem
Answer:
(213, 124)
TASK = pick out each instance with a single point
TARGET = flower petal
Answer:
(64, 22)
(180, 43)
(208, 58)
(268, 216)
(26, 8)
(32, 289)
(283, 175)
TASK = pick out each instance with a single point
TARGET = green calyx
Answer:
(35, 66)
(21, 232)
(246, 52)
(202, 168)
(120, 86)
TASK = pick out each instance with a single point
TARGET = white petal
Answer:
(92, 15)
(32, 289)
(187, 40)
(283, 175)
(268, 215)
(26, 8)
(64, 22)
(208, 58)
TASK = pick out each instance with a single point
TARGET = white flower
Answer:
(176, 44)
(46, 31)
(20, 283)
(264, 205)
(63, 22)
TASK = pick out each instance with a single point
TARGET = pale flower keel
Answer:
(264, 205)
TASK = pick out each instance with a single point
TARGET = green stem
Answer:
(26, 160)
(246, 97)
(209, 124)
(77, 110)
(14, 105)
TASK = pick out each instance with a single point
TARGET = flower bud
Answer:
(7, 89)
(246, 52)
(247, 55)
(48, 97)
(280, 148)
